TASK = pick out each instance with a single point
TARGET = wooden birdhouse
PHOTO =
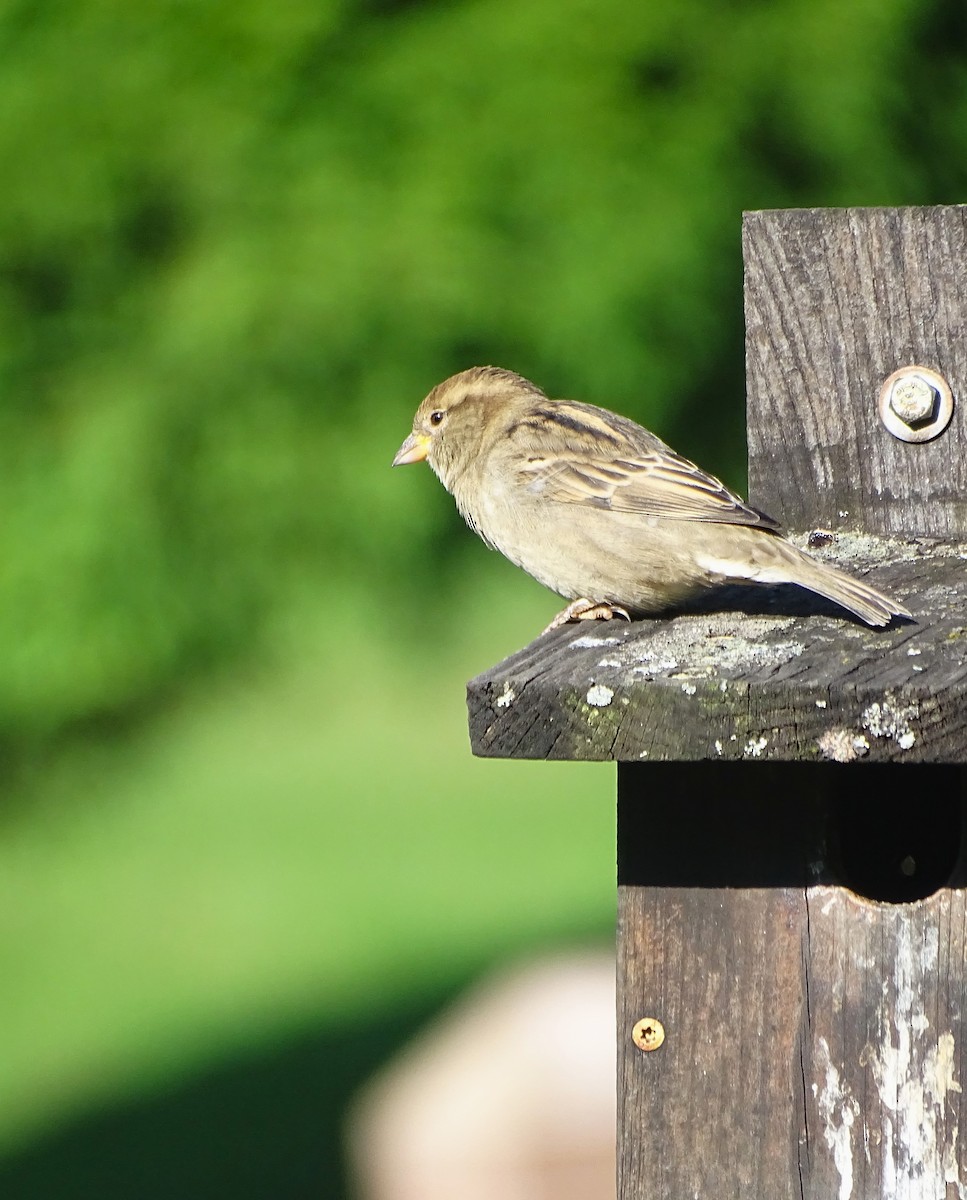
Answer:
(792, 912)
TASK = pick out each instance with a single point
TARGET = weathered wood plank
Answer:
(814, 1040)
(712, 877)
(835, 301)
(883, 1046)
(729, 685)
(713, 1111)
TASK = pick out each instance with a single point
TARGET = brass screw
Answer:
(916, 404)
(648, 1033)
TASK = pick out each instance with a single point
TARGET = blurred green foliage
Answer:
(293, 855)
(239, 242)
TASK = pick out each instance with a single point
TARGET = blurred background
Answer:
(244, 849)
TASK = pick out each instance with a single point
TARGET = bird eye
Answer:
(436, 417)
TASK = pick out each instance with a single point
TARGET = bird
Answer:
(599, 509)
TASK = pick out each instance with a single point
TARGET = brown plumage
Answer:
(599, 509)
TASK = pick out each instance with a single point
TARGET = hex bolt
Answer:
(916, 404)
(913, 399)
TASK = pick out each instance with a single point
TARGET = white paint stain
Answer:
(913, 1077)
(951, 1167)
(838, 1111)
(506, 697)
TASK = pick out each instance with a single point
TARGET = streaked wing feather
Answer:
(659, 484)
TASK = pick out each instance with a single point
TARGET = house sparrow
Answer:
(598, 509)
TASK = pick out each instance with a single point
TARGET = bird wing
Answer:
(656, 483)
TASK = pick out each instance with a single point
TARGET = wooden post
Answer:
(791, 795)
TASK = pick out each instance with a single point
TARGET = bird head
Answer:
(450, 423)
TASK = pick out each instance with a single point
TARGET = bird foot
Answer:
(587, 610)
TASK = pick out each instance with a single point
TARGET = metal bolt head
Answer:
(913, 399)
(916, 404)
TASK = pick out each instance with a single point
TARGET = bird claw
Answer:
(587, 610)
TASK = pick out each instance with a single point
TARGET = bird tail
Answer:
(864, 601)
(774, 560)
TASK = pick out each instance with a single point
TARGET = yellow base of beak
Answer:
(413, 450)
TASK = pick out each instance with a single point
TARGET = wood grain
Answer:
(836, 300)
(710, 1113)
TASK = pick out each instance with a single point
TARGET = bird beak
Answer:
(414, 449)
